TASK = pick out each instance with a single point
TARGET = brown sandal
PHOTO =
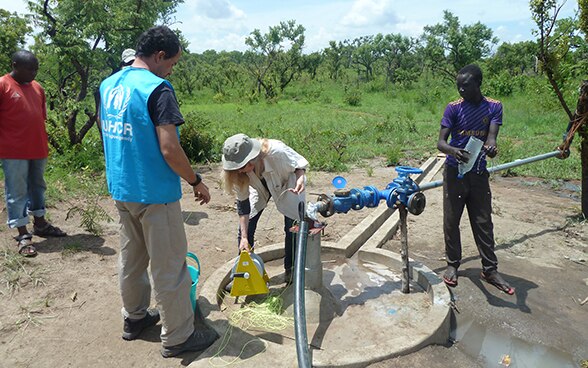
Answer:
(25, 245)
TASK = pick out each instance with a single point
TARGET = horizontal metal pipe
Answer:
(508, 165)
(523, 161)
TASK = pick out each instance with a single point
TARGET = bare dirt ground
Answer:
(62, 308)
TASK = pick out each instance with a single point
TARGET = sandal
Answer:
(450, 276)
(494, 278)
(25, 245)
(48, 230)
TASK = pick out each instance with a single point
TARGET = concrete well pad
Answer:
(358, 317)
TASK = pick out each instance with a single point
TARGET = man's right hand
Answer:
(461, 155)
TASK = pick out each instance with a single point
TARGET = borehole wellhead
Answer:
(402, 190)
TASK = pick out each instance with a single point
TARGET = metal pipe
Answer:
(403, 212)
(523, 161)
(508, 165)
(302, 350)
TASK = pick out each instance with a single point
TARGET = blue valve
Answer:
(402, 190)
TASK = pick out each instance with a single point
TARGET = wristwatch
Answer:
(197, 181)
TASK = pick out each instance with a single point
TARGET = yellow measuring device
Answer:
(249, 276)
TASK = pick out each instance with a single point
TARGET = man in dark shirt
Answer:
(473, 115)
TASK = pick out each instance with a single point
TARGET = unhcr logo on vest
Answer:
(116, 103)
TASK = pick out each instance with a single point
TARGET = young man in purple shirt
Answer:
(473, 115)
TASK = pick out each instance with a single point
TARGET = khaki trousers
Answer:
(155, 233)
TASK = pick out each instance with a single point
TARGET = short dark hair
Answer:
(23, 57)
(472, 69)
(159, 38)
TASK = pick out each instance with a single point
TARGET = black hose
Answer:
(302, 349)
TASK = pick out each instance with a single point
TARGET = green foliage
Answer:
(393, 156)
(275, 58)
(353, 97)
(17, 272)
(87, 157)
(80, 44)
(500, 85)
(450, 46)
(330, 153)
(91, 214)
(196, 140)
(13, 32)
(514, 59)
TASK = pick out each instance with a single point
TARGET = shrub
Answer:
(352, 97)
(196, 140)
(500, 85)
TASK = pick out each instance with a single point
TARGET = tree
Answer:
(311, 63)
(397, 53)
(581, 118)
(335, 56)
(13, 33)
(552, 46)
(80, 44)
(275, 57)
(366, 52)
(515, 58)
(450, 46)
(186, 74)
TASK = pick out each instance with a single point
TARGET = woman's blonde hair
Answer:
(235, 181)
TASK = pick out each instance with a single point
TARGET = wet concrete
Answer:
(363, 317)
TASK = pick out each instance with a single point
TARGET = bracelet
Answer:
(197, 181)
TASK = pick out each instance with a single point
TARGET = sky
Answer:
(224, 24)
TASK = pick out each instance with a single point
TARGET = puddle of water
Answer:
(494, 349)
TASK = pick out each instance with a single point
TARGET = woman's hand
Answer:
(299, 187)
(244, 245)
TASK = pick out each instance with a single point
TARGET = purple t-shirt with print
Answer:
(465, 119)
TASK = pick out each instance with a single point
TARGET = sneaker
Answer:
(199, 340)
(133, 327)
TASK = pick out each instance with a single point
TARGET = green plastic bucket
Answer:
(194, 269)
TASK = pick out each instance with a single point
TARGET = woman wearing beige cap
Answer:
(257, 170)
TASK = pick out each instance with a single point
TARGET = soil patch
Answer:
(62, 308)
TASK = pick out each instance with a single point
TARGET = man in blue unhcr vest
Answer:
(139, 119)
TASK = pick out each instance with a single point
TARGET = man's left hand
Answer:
(491, 151)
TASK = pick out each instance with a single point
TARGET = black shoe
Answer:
(199, 340)
(133, 327)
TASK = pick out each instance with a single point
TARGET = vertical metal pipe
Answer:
(302, 350)
(403, 212)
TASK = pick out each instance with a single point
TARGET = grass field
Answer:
(400, 125)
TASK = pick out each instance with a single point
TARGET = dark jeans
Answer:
(473, 192)
(289, 244)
